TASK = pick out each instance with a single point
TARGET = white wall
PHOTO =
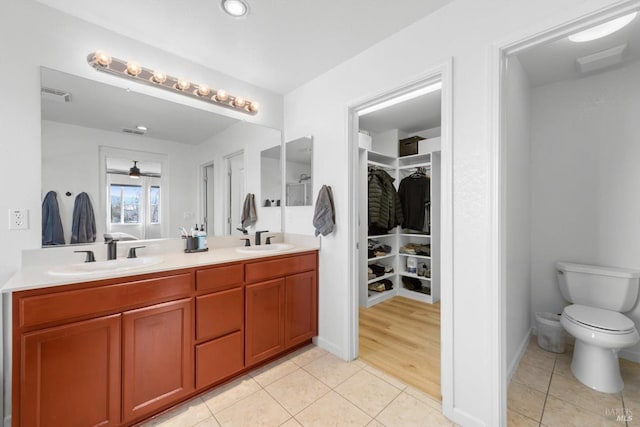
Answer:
(33, 35)
(517, 99)
(252, 139)
(586, 179)
(70, 162)
(466, 31)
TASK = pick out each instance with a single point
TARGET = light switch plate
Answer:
(18, 219)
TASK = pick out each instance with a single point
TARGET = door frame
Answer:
(441, 72)
(228, 226)
(572, 22)
(209, 218)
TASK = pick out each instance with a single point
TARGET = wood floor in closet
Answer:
(401, 337)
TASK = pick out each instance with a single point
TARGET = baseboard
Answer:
(633, 356)
(466, 420)
(330, 347)
(522, 348)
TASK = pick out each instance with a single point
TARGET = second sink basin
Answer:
(274, 247)
(101, 267)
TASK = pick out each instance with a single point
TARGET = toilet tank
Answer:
(611, 288)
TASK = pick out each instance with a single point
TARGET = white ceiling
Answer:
(409, 116)
(101, 106)
(555, 61)
(279, 46)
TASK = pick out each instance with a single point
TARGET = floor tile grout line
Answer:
(546, 395)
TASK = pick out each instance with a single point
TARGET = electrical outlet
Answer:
(18, 219)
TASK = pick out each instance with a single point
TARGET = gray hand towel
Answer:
(52, 233)
(83, 229)
(249, 215)
(324, 218)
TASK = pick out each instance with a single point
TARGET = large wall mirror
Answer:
(148, 165)
(298, 171)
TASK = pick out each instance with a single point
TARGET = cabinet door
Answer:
(71, 375)
(301, 308)
(157, 356)
(264, 331)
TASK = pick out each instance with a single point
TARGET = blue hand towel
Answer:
(52, 233)
(83, 229)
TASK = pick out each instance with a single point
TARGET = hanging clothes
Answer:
(83, 228)
(385, 211)
(52, 233)
(324, 217)
(415, 198)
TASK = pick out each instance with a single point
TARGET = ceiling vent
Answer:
(602, 59)
(134, 131)
(55, 94)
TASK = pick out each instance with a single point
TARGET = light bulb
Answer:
(203, 90)
(133, 68)
(159, 77)
(254, 106)
(183, 84)
(239, 102)
(102, 58)
(222, 95)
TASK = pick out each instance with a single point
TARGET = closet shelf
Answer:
(415, 256)
(378, 236)
(382, 158)
(380, 165)
(377, 297)
(404, 273)
(414, 235)
(377, 279)
(376, 258)
(426, 165)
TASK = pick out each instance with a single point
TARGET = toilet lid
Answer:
(599, 318)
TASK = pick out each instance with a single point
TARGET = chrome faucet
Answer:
(258, 235)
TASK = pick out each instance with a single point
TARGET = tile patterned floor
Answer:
(309, 388)
(544, 392)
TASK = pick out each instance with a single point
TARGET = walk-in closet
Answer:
(399, 236)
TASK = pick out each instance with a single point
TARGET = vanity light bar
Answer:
(101, 61)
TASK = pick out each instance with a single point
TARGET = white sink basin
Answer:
(274, 247)
(102, 267)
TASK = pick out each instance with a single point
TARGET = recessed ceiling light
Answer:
(142, 128)
(235, 8)
(603, 30)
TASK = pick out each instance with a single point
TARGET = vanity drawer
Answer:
(219, 313)
(219, 359)
(219, 278)
(265, 270)
(54, 307)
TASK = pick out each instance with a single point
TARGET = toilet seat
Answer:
(598, 319)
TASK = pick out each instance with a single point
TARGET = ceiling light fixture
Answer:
(134, 172)
(102, 61)
(142, 128)
(603, 30)
(235, 8)
(401, 98)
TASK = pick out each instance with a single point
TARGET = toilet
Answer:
(599, 295)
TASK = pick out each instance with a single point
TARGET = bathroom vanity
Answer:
(116, 351)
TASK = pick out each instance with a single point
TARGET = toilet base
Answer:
(596, 367)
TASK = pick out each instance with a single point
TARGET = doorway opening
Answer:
(401, 268)
(208, 197)
(568, 129)
(234, 191)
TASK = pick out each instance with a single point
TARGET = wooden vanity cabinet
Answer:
(219, 324)
(101, 353)
(281, 312)
(157, 357)
(115, 352)
(71, 369)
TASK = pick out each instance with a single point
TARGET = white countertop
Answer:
(38, 276)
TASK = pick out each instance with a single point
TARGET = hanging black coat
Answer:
(414, 193)
(385, 211)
